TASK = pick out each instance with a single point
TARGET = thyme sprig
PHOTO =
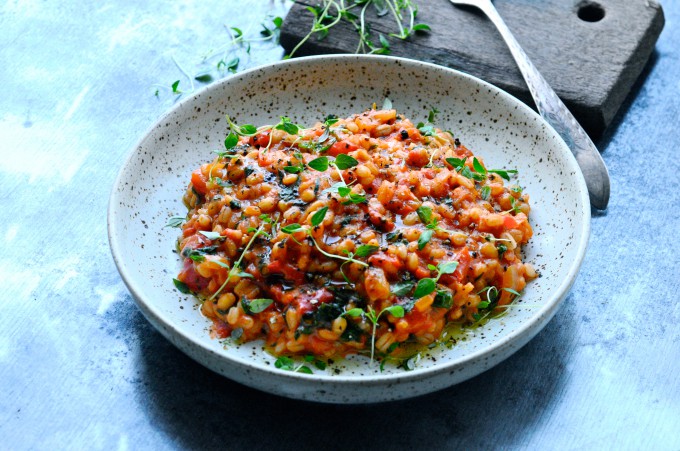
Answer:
(431, 226)
(395, 310)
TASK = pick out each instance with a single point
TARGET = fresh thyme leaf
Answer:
(443, 299)
(211, 235)
(426, 130)
(396, 310)
(502, 249)
(424, 287)
(432, 115)
(319, 164)
(181, 286)
(457, 163)
(344, 161)
(477, 165)
(365, 250)
(292, 228)
(277, 21)
(231, 140)
(447, 267)
(355, 199)
(293, 169)
(256, 305)
(174, 88)
(485, 192)
(248, 129)
(304, 369)
(354, 313)
(204, 78)
(287, 126)
(511, 291)
(387, 104)
(344, 190)
(284, 363)
(504, 173)
(175, 221)
(402, 288)
(425, 214)
(319, 216)
(424, 238)
(421, 27)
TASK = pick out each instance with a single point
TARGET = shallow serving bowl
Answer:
(496, 126)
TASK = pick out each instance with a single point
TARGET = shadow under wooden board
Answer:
(591, 52)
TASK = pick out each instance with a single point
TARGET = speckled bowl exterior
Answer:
(496, 126)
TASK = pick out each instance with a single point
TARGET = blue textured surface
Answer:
(81, 368)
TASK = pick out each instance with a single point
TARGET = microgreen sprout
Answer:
(289, 364)
(330, 12)
(431, 226)
(395, 310)
(427, 285)
(175, 221)
(341, 162)
(235, 270)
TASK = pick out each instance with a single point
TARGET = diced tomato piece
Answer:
(463, 258)
(309, 300)
(198, 181)
(289, 272)
(510, 222)
(389, 263)
(341, 147)
(261, 139)
(191, 278)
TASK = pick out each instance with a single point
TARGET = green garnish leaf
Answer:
(424, 238)
(204, 78)
(511, 291)
(432, 115)
(344, 190)
(211, 235)
(447, 267)
(477, 165)
(293, 169)
(504, 173)
(421, 27)
(319, 164)
(344, 161)
(485, 192)
(248, 129)
(292, 228)
(425, 214)
(355, 199)
(175, 221)
(181, 286)
(304, 369)
(443, 299)
(319, 216)
(365, 250)
(483, 304)
(287, 126)
(174, 88)
(387, 104)
(256, 305)
(284, 363)
(396, 311)
(231, 140)
(354, 313)
(402, 288)
(424, 287)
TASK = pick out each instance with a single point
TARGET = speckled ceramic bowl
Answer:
(505, 132)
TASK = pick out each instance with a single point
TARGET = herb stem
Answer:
(186, 74)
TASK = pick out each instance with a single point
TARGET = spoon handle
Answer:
(556, 114)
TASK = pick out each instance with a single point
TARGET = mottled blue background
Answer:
(81, 368)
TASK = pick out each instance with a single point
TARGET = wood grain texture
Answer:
(591, 65)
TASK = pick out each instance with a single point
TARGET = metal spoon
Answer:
(554, 111)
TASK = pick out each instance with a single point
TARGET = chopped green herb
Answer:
(181, 286)
(175, 221)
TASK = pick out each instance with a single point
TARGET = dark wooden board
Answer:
(592, 65)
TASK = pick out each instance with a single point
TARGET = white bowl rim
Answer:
(547, 311)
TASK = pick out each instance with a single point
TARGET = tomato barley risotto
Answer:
(358, 235)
